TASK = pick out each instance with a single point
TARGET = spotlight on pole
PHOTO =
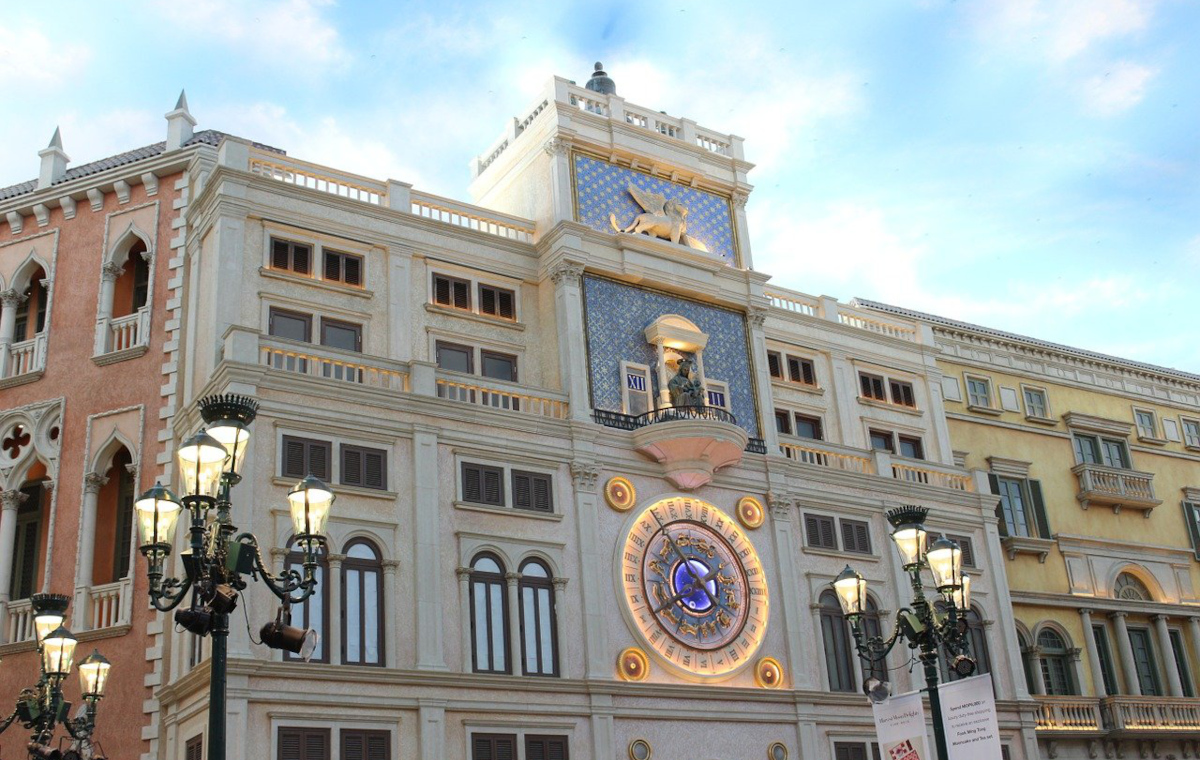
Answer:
(280, 634)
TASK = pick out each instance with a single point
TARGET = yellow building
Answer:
(1096, 463)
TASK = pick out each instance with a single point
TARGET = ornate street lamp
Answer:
(923, 626)
(219, 557)
(42, 707)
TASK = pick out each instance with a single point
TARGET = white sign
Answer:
(900, 726)
(969, 717)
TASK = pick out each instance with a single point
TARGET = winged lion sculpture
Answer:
(663, 218)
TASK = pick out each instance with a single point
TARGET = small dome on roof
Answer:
(600, 82)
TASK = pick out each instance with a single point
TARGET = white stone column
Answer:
(9, 301)
(1132, 686)
(1168, 655)
(109, 274)
(572, 354)
(794, 594)
(516, 646)
(333, 637)
(391, 596)
(845, 395)
(762, 381)
(1074, 655)
(1089, 644)
(592, 568)
(431, 715)
(664, 393)
(1194, 629)
(92, 483)
(464, 614)
(1035, 666)
(9, 502)
(427, 564)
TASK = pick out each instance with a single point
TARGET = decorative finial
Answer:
(181, 104)
(599, 67)
(56, 140)
(600, 82)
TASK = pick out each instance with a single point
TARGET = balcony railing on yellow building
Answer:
(1069, 714)
(1116, 488)
(930, 474)
(1147, 715)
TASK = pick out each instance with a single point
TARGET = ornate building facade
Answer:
(492, 391)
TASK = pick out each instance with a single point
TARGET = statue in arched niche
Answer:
(684, 387)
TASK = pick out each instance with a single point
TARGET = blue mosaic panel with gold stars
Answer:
(602, 188)
(617, 318)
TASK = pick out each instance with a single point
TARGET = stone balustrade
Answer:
(1153, 714)
(1068, 714)
(315, 177)
(498, 395)
(829, 309)
(332, 364)
(470, 217)
(1115, 487)
(20, 622)
(823, 454)
(26, 356)
(109, 604)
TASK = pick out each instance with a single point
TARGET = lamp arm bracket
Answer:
(165, 598)
(875, 648)
(287, 583)
(4, 724)
(81, 728)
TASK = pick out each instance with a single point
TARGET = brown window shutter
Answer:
(472, 483)
(848, 538)
(352, 270)
(194, 750)
(301, 254)
(293, 458)
(462, 294)
(374, 469)
(316, 745)
(279, 255)
(441, 290)
(542, 499)
(795, 374)
(290, 744)
(353, 746)
(865, 382)
(812, 530)
(773, 364)
(493, 486)
(810, 375)
(487, 300)
(352, 466)
(333, 266)
(522, 490)
(507, 300)
(827, 536)
(318, 459)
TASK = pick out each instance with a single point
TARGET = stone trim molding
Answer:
(1091, 424)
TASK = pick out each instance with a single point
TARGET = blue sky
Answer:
(1030, 165)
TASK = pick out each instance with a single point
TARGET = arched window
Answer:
(132, 286)
(1026, 660)
(362, 605)
(26, 558)
(489, 615)
(873, 626)
(539, 634)
(313, 612)
(1128, 586)
(1056, 666)
(34, 304)
(113, 521)
(977, 640)
(835, 635)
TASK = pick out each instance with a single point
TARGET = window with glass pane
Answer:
(1035, 403)
(1013, 508)
(499, 366)
(362, 605)
(1115, 453)
(539, 637)
(290, 324)
(1144, 662)
(1056, 673)
(835, 636)
(1104, 653)
(343, 335)
(26, 559)
(911, 447)
(489, 615)
(454, 357)
(783, 423)
(313, 612)
(1087, 449)
(809, 427)
(1147, 425)
(871, 387)
(979, 392)
(1181, 664)
(1191, 432)
(882, 440)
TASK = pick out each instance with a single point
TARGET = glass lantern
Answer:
(93, 675)
(310, 502)
(201, 462)
(851, 591)
(158, 510)
(945, 562)
(58, 652)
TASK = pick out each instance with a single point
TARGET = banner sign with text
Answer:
(969, 717)
(900, 726)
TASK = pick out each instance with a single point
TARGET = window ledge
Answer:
(1039, 547)
(816, 390)
(985, 410)
(370, 493)
(26, 377)
(112, 357)
(889, 405)
(1190, 447)
(349, 290)
(434, 308)
(843, 555)
(511, 511)
(1152, 439)
(1041, 420)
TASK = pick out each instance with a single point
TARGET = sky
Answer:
(1028, 165)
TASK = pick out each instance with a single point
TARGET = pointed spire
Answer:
(54, 161)
(179, 123)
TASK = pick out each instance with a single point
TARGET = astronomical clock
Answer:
(694, 587)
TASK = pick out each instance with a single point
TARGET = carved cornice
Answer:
(567, 272)
(93, 482)
(757, 316)
(12, 499)
(111, 271)
(780, 505)
(559, 584)
(10, 298)
(1092, 424)
(739, 198)
(463, 573)
(584, 475)
(556, 146)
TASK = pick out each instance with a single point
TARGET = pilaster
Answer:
(592, 567)
(427, 565)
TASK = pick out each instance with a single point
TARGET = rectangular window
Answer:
(1144, 663)
(783, 423)
(819, 531)
(635, 388)
(872, 386)
(303, 457)
(303, 743)
(968, 549)
(1115, 453)
(345, 268)
(1181, 664)
(717, 393)
(1087, 449)
(979, 392)
(498, 366)
(532, 491)
(194, 749)
(452, 292)
(911, 447)
(1191, 516)
(366, 745)
(343, 335)
(546, 748)
(290, 324)
(493, 747)
(1107, 672)
(1191, 432)
(809, 427)
(856, 536)
(849, 751)
(1021, 510)
(364, 467)
(291, 257)
(456, 358)
(902, 393)
(801, 371)
(882, 441)
(775, 365)
(497, 302)
(482, 484)
(1110, 452)
(1035, 403)
(1147, 424)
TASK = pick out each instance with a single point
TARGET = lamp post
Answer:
(219, 557)
(42, 707)
(923, 626)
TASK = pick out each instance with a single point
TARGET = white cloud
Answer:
(29, 58)
(1118, 89)
(1059, 29)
